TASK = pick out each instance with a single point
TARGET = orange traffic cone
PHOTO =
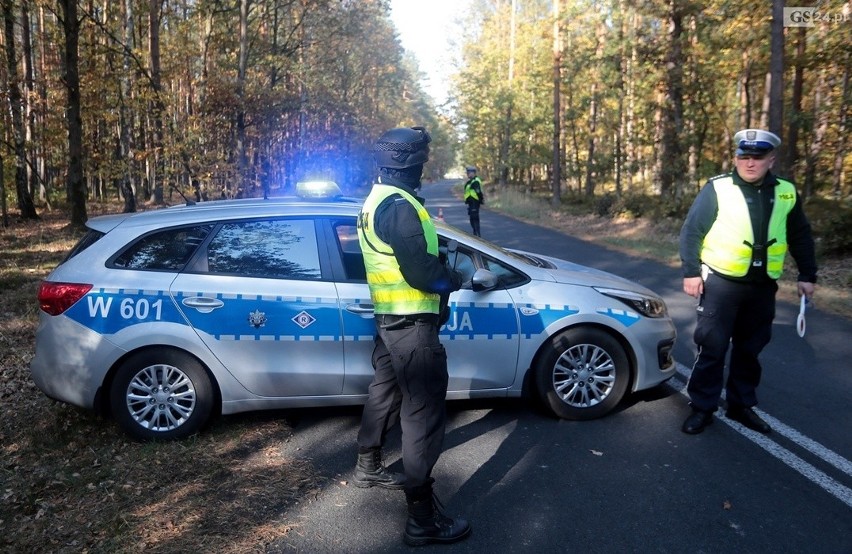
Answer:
(440, 214)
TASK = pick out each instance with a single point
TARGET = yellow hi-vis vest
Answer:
(728, 246)
(390, 293)
(469, 191)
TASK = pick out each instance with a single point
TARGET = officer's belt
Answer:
(394, 322)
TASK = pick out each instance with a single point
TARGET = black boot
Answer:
(427, 524)
(370, 472)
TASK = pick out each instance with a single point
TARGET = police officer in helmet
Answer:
(409, 285)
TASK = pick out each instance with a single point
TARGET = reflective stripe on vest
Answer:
(469, 191)
(390, 293)
(727, 247)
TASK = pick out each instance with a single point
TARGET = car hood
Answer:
(575, 274)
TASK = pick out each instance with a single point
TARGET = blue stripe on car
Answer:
(626, 318)
(281, 318)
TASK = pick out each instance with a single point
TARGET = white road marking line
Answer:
(828, 484)
(810, 445)
(816, 476)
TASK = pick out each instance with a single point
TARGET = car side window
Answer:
(350, 251)
(283, 249)
(167, 250)
(463, 262)
(507, 276)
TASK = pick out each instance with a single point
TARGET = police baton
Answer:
(800, 321)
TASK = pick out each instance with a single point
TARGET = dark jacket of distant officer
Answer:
(474, 198)
(408, 284)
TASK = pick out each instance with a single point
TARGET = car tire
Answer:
(161, 394)
(582, 374)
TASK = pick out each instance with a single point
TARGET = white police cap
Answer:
(755, 141)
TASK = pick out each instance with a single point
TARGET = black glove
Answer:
(457, 278)
(444, 316)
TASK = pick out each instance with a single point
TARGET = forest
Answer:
(150, 102)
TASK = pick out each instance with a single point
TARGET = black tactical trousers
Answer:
(739, 314)
(473, 214)
(410, 385)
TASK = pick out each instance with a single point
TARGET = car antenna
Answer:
(185, 199)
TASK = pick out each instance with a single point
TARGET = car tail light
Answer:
(55, 298)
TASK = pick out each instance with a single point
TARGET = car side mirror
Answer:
(483, 280)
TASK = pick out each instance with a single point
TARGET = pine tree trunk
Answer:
(672, 169)
(240, 124)
(842, 124)
(792, 151)
(816, 143)
(157, 108)
(75, 183)
(41, 164)
(15, 103)
(776, 74)
(124, 151)
(4, 211)
(556, 185)
(29, 108)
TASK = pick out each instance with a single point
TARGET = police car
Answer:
(166, 318)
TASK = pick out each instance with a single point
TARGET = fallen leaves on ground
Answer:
(71, 482)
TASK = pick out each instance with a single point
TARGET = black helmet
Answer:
(471, 169)
(402, 148)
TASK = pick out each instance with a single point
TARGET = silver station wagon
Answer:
(167, 318)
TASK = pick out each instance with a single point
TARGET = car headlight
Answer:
(649, 306)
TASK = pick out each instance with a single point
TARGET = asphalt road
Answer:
(630, 482)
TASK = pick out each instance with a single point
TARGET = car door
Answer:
(482, 333)
(356, 308)
(256, 297)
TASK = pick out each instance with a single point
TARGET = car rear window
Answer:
(90, 238)
(167, 250)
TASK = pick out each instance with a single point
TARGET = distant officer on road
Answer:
(409, 286)
(732, 248)
(474, 198)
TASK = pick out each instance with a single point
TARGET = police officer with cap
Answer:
(474, 198)
(732, 248)
(409, 286)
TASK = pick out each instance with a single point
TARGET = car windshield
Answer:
(480, 242)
